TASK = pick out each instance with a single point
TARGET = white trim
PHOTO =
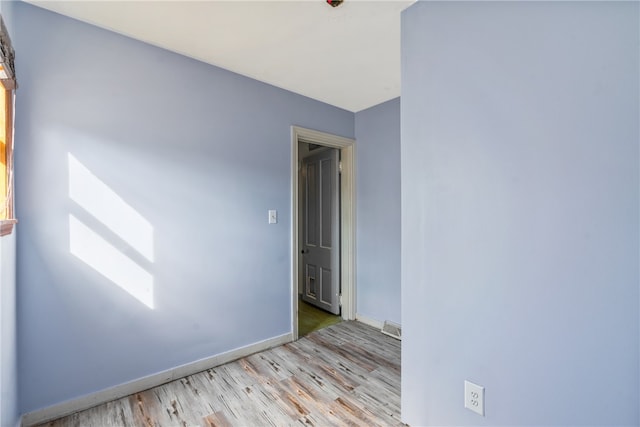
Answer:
(369, 321)
(348, 215)
(145, 383)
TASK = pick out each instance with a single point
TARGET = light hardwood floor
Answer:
(344, 375)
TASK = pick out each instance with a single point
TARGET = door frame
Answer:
(347, 217)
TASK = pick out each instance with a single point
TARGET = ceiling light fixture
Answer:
(335, 3)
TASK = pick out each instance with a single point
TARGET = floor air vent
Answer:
(392, 329)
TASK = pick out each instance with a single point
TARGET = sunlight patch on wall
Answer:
(101, 202)
(107, 260)
(109, 208)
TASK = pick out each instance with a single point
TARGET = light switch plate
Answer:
(273, 216)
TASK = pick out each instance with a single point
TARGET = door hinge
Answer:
(340, 167)
(340, 300)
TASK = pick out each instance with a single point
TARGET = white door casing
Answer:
(347, 215)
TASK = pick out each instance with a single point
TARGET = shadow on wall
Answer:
(125, 227)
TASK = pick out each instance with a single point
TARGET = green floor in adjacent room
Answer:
(311, 318)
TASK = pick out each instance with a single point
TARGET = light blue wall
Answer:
(378, 211)
(9, 416)
(520, 194)
(196, 153)
(6, 8)
(8, 353)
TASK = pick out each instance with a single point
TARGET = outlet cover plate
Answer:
(474, 397)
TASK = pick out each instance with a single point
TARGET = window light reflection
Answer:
(107, 260)
(109, 208)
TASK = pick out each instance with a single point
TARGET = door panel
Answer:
(320, 218)
(326, 202)
(310, 213)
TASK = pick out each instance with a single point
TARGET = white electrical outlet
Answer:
(474, 397)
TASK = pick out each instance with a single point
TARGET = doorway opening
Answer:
(318, 237)
(323, 229)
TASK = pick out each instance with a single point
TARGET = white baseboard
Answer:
(85, 402)
(369, 321)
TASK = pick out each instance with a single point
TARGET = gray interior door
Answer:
(321, 230)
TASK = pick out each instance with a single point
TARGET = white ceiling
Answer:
(348, 56)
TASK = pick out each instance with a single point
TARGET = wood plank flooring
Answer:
(344, 375)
